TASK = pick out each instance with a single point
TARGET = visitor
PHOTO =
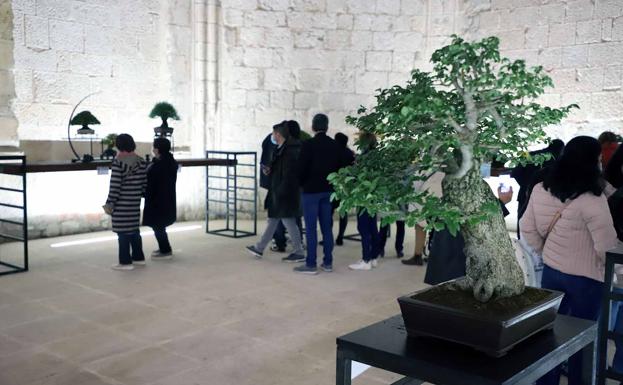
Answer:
(268, 149)
(127, 186)
(400, 238)
(568, 221)
(433, 186)
(284, 197)
(348, 158)
(320, 156)
(447, 260)
(280, 233)
(366, 223)
(524, 174)
(613, 172)
(418, 252)
(160, 202)
(609, 142)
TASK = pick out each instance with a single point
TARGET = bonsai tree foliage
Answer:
(165, 111)
(83, 119)
(473, 107)
(109, 142)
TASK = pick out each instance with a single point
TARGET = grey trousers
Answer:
(293, 230)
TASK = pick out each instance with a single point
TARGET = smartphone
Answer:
(504, 187)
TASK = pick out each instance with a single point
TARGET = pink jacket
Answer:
(579, 240)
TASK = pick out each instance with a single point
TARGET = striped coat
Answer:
(127, 186)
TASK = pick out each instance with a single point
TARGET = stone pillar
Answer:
(8, 122)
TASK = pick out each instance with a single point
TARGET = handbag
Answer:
(535, 258)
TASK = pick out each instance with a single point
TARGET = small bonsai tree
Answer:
(474, 106)
(165, 111)
(109, 142)
(83, 119)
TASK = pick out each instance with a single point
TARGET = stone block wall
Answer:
(131, 53)
(8, 123)
(580, 45)
(233, 68)
(292, 59)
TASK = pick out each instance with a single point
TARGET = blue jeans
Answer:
(126, 240)
(400, 236)
(582, 299)
(370, 242)
(317, 208)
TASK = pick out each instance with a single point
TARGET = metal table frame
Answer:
(385, 345)
(234, 186)
(13, 268)
(613, 257)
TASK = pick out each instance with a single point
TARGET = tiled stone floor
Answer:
(214, 315)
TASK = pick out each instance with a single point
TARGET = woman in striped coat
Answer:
(127, 186)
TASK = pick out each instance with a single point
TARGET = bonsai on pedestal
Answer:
(109, 142)
(83, 119)
(165, 111)
(472, 107)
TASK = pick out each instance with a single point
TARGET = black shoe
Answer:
(278, 249)
(339, 242)
(294, 258)
(255, 252)
(399, 254)
(416, 260)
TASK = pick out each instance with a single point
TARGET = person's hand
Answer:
(505, 196)
(107, 209)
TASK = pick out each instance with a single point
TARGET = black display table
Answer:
(385, 345)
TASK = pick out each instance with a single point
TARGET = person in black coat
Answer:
(320, 156)
(160, 201)
(525, 174)
(446, 258)
(348, 159)
(284, 197)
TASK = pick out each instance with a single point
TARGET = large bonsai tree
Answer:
(474, 106)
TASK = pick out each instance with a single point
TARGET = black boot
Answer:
(416, 260)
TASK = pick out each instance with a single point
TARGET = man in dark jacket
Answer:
(320, 156)
(283, 199)
(268, 150)
(525, 174)
(160, 200)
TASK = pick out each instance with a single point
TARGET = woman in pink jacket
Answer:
(571, 205)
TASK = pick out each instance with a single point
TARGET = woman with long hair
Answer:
(567, 219)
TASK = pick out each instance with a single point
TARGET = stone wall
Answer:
(233, 68)
(286, 59)
(8, 123)
(580, 45)
(131, 53)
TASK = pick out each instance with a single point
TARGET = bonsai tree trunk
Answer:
(164, 123)
(491, 266)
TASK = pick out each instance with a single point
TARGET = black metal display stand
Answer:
(613, 257)
(385, 345)
(228, 190)
(14, 229)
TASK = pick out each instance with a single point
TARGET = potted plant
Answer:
(165, 111)
(83, 119)
(472, 107)
(109, 142)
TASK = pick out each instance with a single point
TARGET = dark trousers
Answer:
(131, 240)
(343, 221)
(400, 236)
(317, 208)
(280, 233)
(163, 239)
(582, 300)
(366, 225)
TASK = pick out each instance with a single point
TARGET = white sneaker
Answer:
(122, 267)
(361, 265)
(139, 263)
(375, 262)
